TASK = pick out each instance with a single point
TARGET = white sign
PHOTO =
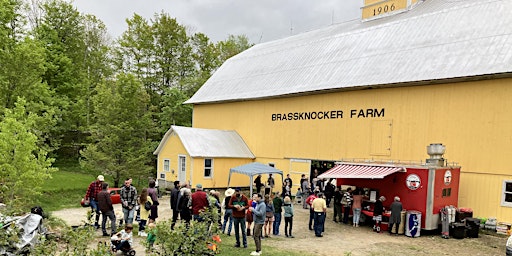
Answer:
(447, 177)
(413, 181)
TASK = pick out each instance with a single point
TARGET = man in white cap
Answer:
(228, 212)
(92, 196)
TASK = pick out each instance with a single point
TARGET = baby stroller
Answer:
(123, 246)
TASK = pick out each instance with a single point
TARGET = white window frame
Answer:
(168, 169)
(210, 168)
(504, 192)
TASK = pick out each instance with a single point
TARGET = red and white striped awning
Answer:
(361, 171)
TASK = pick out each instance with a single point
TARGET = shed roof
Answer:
(208, 142)
(435, 41)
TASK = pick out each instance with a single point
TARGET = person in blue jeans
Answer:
(228, 212)
(239, 204)
(278, 203)
(320, 208)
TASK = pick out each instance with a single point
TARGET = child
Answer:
(151, 234)
(288, 217)
(298, 196)
(122, 240)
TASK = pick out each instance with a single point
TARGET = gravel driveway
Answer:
(339, 239)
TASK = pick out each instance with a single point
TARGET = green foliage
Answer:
(76, 241)
(233, 46)
(174, 112)
(9, 234)
(23, 165)
(123, 123)
(183, 240)
(76, 60)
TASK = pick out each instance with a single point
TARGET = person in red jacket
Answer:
(239, 203)
(309, 201)
(199, 202)
(92, 196)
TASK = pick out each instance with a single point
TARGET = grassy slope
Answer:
(65, 189)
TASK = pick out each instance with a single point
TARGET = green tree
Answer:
(121, 145)
(22, 64)
(174, 112)
(134, 53)
(76, 49)
(23, 165)
(233, 46)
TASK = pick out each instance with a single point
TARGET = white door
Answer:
(182, 170)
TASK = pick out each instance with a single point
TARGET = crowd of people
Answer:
(237, 211)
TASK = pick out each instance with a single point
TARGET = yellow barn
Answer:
(381, 88)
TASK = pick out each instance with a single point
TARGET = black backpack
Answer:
(37, 210)
(147, 205)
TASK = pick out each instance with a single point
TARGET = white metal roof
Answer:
(436, 40)
(208, 142)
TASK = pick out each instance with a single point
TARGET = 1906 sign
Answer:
(373, 9)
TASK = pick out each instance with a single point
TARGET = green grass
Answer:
(228, 249)
(65, 190)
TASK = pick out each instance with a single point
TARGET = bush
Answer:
(183, 240)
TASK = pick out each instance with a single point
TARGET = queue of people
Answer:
(238, 211)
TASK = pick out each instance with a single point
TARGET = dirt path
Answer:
(339, 239)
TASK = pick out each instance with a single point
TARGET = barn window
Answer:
(167, 165)
(506, 194)
(208, 167)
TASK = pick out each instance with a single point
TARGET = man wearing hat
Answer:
(92, 196)
(228, 212)
(239, 203)
(199, 202)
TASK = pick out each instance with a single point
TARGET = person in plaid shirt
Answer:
(92, 196)
(128, 201)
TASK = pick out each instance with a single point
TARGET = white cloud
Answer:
(257, 19)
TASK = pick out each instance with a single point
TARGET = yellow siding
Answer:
(471, 118)
(220, 173)
(483, 193)
(170, 151)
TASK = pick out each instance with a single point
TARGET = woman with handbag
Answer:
(145, 203)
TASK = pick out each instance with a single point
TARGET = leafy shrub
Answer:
(185, 241)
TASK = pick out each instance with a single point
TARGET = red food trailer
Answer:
(424, 187)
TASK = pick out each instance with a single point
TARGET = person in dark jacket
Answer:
(107, 210)
(174, 203)
(378, 209)
(278, 203)
(153, 193)
(338, 195)
(396, 214)
(185, 206)
(258, 183)
(329, 192)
